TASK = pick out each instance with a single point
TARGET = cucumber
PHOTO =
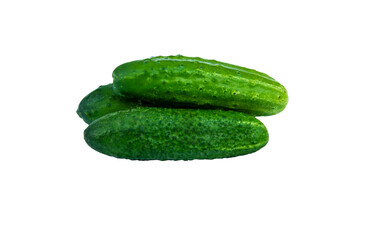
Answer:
(179, 81)
(150, 133)
(101, 102)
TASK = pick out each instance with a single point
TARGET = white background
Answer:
(314, 179)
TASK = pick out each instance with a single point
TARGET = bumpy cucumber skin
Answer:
(101, 102)
(149, 133)
(179, 81)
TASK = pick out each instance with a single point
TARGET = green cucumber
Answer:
(150, 133)
(101, 102)
(179, 81)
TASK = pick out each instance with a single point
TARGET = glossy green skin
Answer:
(151, 133)
(101, 102)
(178, 81)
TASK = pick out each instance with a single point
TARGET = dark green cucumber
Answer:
(101, 102)
(195, 82)
(150, 133)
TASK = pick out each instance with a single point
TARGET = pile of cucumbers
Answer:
(181, 108)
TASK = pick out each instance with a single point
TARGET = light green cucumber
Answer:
(150, 133)
(101, 102)
(179, 81)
